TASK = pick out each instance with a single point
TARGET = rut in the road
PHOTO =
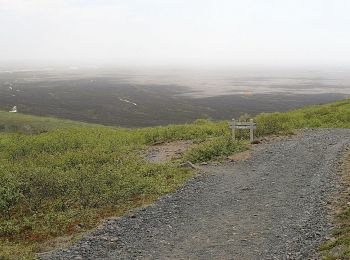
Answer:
(271, 206)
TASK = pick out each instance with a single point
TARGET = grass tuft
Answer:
(215, 148)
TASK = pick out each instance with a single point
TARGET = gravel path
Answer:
(271, 206)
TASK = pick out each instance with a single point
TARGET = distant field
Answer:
(132, 100)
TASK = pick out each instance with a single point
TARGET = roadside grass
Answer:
(332, 115)
(338, 245)
(62, 177)
(215, 148)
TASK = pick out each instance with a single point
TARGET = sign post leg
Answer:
(233, 129)
(251, 130)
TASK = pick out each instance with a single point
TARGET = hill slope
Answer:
(271, 206)
(16, 122)
(61, 177)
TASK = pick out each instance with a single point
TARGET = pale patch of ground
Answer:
(167, 151)
(58, 243)
(240, 156)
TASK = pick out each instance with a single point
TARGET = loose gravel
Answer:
(271, 206)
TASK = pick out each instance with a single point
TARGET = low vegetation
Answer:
(217, 147)
(338, 244)
(62, 177)
(15, 122)
(60, 181)
(333, 115)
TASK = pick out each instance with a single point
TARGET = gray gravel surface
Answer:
(271, 206)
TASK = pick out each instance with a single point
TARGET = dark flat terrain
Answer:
(112, 99)
(271, 206)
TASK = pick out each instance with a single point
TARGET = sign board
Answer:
(243, 125)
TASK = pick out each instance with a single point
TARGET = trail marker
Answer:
(243, 125)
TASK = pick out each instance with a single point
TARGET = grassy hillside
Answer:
(16, 122)
(61, 177)
(332, 115)
(65, 180)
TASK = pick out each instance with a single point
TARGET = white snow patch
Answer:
(13, 110)
(127, 101)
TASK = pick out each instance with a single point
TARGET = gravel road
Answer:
(271, 206)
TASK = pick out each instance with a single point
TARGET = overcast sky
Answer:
(176, 32)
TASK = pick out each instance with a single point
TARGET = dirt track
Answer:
(271, 206)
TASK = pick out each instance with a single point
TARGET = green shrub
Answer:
(215, 148)
(10, 192)
(199, 130)
(333, 115)
(276, 123)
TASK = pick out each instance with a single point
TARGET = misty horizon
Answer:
(175, 33)
(164, 61)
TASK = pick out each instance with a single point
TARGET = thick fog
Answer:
(176, 32)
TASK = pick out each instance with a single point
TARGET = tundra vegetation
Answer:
(61, 177)
(338, 244)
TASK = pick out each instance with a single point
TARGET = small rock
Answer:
(78, 227)
(188, 164)
(132, 215)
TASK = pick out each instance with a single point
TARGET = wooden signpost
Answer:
(243, 125)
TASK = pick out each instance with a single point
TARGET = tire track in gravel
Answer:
(271, 206)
